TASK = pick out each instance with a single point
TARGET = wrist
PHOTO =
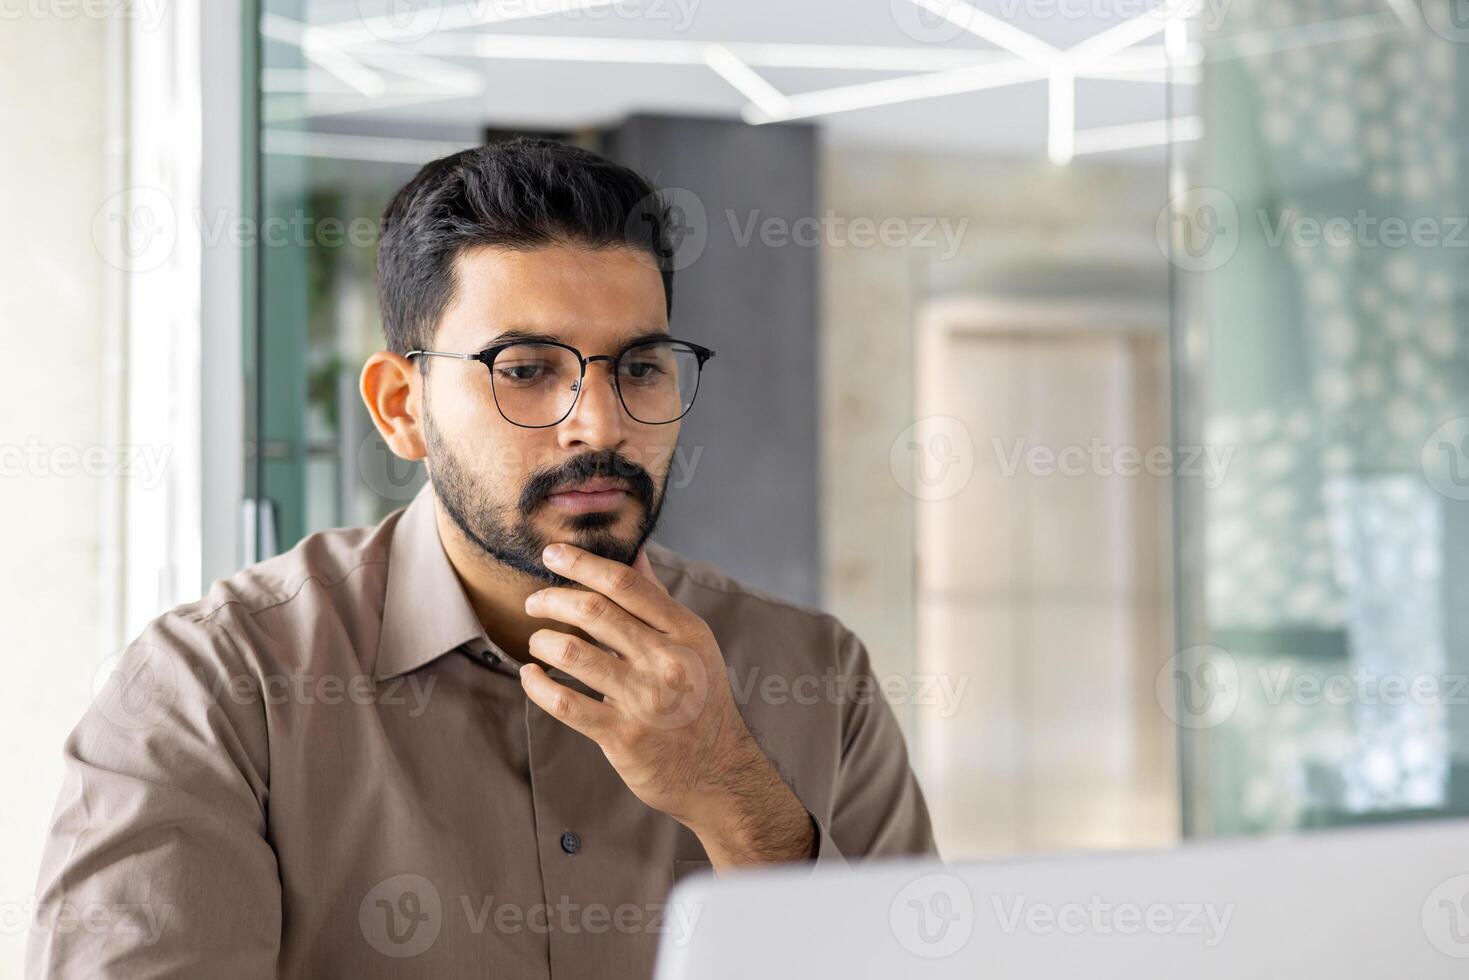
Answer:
(757, 820)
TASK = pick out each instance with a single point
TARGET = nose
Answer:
(597, 420)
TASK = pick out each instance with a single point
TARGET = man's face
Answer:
(505, 485)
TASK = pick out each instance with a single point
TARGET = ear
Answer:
(388, 392)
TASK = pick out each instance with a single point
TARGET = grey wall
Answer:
(744, 489)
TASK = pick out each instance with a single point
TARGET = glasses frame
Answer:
(488, 355)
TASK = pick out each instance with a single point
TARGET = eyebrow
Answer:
(527, 336)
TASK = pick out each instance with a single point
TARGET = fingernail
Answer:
(553, 553)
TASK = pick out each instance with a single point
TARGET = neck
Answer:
(496, 591)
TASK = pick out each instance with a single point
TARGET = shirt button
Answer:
(490, 658)
(570, 842)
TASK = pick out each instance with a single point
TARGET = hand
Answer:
(667, 721)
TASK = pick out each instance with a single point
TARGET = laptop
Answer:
(1386, 903)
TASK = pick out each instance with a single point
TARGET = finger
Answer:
(623, 584)
(597, 616)
(594, 667)
(571, 708)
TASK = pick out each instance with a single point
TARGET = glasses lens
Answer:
(658, 380)
(535, 384)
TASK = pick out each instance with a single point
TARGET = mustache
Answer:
(608, 463)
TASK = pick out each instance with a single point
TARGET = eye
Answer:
(521, 372)
(642, 370)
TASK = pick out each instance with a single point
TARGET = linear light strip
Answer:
(1129, 33)
(541, 47)
(992, 29)
(329, 56)
(443, 17)
(746, 80)
(892, 91)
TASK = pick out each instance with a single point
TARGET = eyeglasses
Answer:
(536, 383)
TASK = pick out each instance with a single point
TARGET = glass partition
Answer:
(1318, 239)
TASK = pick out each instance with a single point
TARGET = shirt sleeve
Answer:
(879, 810)
(157, 864)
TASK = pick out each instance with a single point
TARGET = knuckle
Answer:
(593, 606)
(673, 674)
(626, 578)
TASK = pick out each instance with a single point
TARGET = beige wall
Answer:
(51, 328)
(1027, 233)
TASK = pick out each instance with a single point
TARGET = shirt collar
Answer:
(426, 612)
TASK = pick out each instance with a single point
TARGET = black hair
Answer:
(524, 193)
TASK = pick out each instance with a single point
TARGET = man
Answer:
(485, 736)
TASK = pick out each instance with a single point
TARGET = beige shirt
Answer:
(325, 769)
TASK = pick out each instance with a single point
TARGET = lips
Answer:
(594, 485)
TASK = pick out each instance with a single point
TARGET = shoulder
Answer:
(328, 587)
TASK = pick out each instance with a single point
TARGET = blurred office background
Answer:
(1112, 372)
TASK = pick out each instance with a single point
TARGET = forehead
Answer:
(584, 296)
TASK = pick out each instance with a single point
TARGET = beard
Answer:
(507, 532)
